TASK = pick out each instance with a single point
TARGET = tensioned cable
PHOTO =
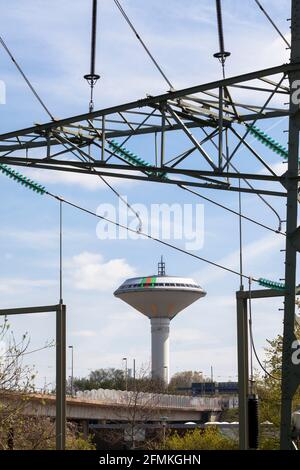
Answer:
(252, 340)
(129, 22)
(146, 235)
(103, 179)
(2, 42)
(52, 118)
(261, 198)
(222, 55)
(137, 215)
(272, 23)
(231, 210)
(84, 157)
(230, 164)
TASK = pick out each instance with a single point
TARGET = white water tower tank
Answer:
(160, 298)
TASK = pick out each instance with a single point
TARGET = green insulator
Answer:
(271, 284)
(23, 180)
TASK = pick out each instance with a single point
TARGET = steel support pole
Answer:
(163, 135)
(288, 369)
(220, 128)
(243, 370)
(60, 377)
(103, 139)
(60, 362)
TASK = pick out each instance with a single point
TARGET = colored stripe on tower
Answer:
(148, 281)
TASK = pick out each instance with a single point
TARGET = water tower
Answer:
(160, 298)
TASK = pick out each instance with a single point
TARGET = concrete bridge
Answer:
(115, 405)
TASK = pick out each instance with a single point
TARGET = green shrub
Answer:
(198, 439)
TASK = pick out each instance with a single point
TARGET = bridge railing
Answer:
(121, 397)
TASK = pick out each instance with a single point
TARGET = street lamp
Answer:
(125, 361)
(72, 370)
(164, 423)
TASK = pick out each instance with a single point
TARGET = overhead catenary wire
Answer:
(218, 204)
(222, 54)
(129, 22)
(181, 186)
(253, 347)
(78, 207)
(272, 23)
(145, 235)
(42, 190)
(5, 47)
(93, 77)
(280, 221)
(102, 178)
(83, 156)
(230, 164)
(52, 118)
(129, 206)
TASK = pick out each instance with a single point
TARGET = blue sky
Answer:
(51, 41)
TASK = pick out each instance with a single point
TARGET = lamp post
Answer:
(72, 370)
(164, 423)
(125, 361)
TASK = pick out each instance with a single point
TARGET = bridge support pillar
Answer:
(85, 429)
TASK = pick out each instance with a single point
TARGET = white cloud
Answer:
(88, 182)
(279, 168)
(84, 333)
(19, 285)
(41, 239)
(191, 336)
(88, 271)
(34, 238)
(254, 251)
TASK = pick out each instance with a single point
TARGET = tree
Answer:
(185, 379)
(101, 378)
(269, 386)
(16, 381)
(137, 406)
(114, 379)
(18, 429)
(141, 405)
